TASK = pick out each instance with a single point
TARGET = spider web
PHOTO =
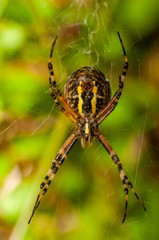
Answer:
(89, 29)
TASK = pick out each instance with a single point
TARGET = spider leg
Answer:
(53, 87)
(125, 181)
(114, 101)
(62, 109)
(56, 163)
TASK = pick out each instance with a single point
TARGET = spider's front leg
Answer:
(114, 101)
(56, 163)
(58, 98)
(125, 181)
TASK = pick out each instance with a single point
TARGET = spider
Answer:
(87, 103)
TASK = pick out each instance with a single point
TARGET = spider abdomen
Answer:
(87, 91)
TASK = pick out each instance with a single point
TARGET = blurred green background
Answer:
(86, 200)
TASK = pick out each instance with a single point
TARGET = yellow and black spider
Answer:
(87, 103)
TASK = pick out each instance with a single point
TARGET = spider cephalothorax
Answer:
(87, 103)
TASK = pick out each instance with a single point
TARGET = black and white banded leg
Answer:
(56, 163)
(125, 181)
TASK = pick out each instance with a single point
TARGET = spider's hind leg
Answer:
(125, 181)
(57, 162)
(44, 186)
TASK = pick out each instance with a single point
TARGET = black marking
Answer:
(115, 103)
(53, 165)
(120, 167)
(44, 191)
(49, 66)
(121, 84)
(125, 177)
(115, 158)
(61, 160)
(75, 103)
(54, 83)
(53, 46)
(126, 65)
(124, 218)
(58, 156)
(124, 73)
(37, 205)
(138, 199)
(130, 184)
(121, 43)
(49, 182)
(123, 181)
(118, 95)
(46, 178)
(87, 106)
(42, 185)
(126, 191)
(55, 170)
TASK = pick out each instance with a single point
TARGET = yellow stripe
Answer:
(86, 129)
(80, 102)
(93, 101)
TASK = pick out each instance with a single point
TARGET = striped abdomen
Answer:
(87, 91)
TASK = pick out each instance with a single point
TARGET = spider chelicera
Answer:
(87, 103)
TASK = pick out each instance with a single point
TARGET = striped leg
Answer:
(60, 157)
(125, 181)
(53, 87)
(114, 101)
(60, 106)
